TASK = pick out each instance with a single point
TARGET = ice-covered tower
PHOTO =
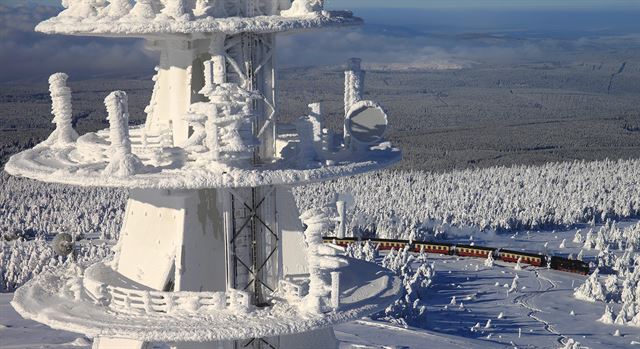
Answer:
(212, 249)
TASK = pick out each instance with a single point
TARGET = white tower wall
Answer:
(161, 225)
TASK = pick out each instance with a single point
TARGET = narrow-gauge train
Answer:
(511, 256)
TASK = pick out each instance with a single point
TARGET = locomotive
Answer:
(510, 256)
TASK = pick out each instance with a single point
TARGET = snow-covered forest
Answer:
(397, 204)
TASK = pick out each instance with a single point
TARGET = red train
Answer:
(511, 256)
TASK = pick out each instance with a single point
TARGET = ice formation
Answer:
(145, 9)
(353, 84)
(303, 7)
(122, 162)
(322, 261)
(64, 134)
(118, 8)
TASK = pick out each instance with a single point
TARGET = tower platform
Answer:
(144, 28)
(82, 163)
(366, 288)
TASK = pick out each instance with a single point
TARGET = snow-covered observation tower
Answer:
(213, 252)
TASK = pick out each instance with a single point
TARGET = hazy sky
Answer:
(405, 32)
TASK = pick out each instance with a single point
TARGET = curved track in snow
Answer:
(526, 300)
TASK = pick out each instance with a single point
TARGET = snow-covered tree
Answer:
(592, 290)
(577, 238)
(514, 284)
(607, 317)
(488, 262)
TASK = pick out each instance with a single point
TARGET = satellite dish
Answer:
(366, 122)
(63, 244)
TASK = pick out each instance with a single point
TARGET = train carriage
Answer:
(534, 259)
(473, 251)
(384, 245)
(344, 242)
(433, 247)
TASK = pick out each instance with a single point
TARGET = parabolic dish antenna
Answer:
(366, 122)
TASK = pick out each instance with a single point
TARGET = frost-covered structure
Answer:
(212, 251)
(61, 109)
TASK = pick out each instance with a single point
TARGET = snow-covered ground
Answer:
(541, 313)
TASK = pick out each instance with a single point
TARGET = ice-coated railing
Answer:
(157, 302)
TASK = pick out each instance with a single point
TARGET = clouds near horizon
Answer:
(394, 37)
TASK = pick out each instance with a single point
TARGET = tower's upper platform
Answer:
(145, 18)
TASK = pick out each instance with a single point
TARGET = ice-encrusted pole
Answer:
(353, 89)
(341, 207)
(353, 83)
(213, 8)
(322, 261)
(122, 161)
(119, 8)
(79, 8)
(145, 9)
(303, 7)
(61, 109)
(175, 9)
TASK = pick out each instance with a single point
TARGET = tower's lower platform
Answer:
(365, 289)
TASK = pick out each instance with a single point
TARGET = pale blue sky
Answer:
(507, 4)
